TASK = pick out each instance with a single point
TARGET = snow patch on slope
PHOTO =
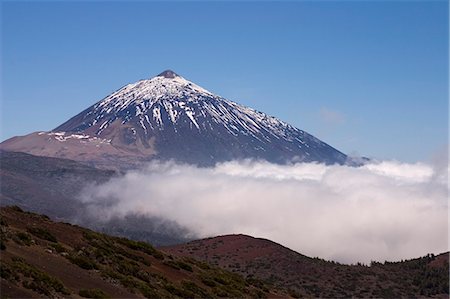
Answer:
(63, 137)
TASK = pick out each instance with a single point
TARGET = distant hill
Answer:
(44, 259)
(44, 184)
(51, 186)
(302, 276)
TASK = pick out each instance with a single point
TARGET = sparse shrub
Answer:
(39, 288)
(5, 272)
(143, 275)
(179, 265)
(141, 246)
(112, 274)
(194, 289)
(159, 277)
(220, 279)
(208, 281)
(129, 282)
(42, 233)
(149, 292)
(201, 264)
(184, 266)
(127, 267)
(174, 290)
(58, 247)
(3, 222)
(41, 281)
(90, 235)
(172, 264)
(220, 292)
(258, 294)
(82, 261)
(45, 217)
(17, 209)
(23, 239)
(93, 293)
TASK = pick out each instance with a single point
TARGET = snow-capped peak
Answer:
(169, 108)
(167, 85)
(160, 102)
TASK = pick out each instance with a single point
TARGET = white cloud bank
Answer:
(384, 211)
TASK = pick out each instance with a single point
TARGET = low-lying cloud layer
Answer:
(384, 211)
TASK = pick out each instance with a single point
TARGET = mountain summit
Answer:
(168, 74)
(169, 117)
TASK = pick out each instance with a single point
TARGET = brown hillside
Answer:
(41, 258)
(302, 276)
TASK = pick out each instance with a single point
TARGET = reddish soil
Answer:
(120, 268)
(304, 276)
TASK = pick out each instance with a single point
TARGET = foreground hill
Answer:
(168, 117)
(41, 258)
(303, 276)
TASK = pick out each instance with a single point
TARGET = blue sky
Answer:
(367, 77)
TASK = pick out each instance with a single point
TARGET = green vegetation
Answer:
(149, 292)
(186, 290)
(58, 247)
(6, 272)
(22, 238)
(184, 266)
(140, 268)
(432, 280)
(93, 293)
(127, 262)
(178, 265)
(82, 261)
(32, 278)
(141, 246)
(208, 281)
(3, 222)
(194, 289)
(42, 233)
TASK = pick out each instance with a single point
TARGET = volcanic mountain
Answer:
(168, 117)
